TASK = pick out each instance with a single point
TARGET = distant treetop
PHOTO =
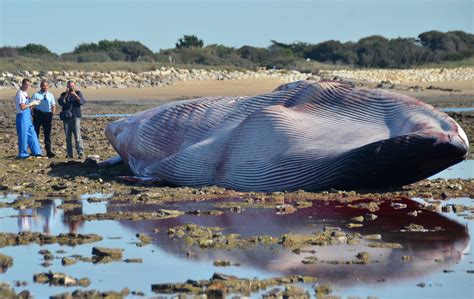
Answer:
(130, 50)
(189, 41)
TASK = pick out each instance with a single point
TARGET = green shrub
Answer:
(189, 41)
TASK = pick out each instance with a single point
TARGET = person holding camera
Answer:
(43, 115)
(24, 127)
(71, 101)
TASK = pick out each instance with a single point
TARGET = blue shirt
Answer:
(47, 102)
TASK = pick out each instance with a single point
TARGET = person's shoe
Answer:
(24, 158)
(51, 155)
(69, 157)
(80, 156)
(39, 156)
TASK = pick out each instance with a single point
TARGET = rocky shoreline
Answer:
(169, 75)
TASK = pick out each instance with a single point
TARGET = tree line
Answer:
(372, 51)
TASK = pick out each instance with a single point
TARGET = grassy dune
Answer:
(35, 64)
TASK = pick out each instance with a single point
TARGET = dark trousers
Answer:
(45, 120)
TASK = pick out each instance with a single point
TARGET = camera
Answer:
(71, 89)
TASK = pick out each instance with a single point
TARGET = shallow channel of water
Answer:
(462, 170)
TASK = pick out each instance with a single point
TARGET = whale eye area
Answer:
(445, 125)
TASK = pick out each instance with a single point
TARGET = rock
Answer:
(92, 160)
(273, 293)
(397, 205)
(293, 291)
(358, 219)
(138, 293)
(457, 208)
(285, 209)
(114, 253)
(134, 260)
(205, 243)
(167, 76)
(331, 228)
(370, 217)
(60, 279)
(445, 195)
(24, 294)
(69, 206)
(94, 294)
(144, 239)
(222, 276)
(373, 237)
(447, 209)
(236, 209)
(23, 238)
(385, 245)
(363, 257)
(47, 255)
(5, 263)
(133, 216)
(224, 263)
(354, 225)
(309, 260)
(65, 261)
(323, 289)
(412, 227)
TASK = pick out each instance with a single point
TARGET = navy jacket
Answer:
(66, 101)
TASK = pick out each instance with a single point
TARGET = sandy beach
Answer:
(187, 89)
(192, 89)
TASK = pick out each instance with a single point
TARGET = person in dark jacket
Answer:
(71, 101)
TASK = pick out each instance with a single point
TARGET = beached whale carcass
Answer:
(304, 135)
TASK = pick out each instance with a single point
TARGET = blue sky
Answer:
(63, 24)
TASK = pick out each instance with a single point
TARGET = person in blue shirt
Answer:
(43, 115)
(27, 137)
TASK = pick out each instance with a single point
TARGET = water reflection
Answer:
(38, 219)
(73, 225)
(430, 252)
(47, 216)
